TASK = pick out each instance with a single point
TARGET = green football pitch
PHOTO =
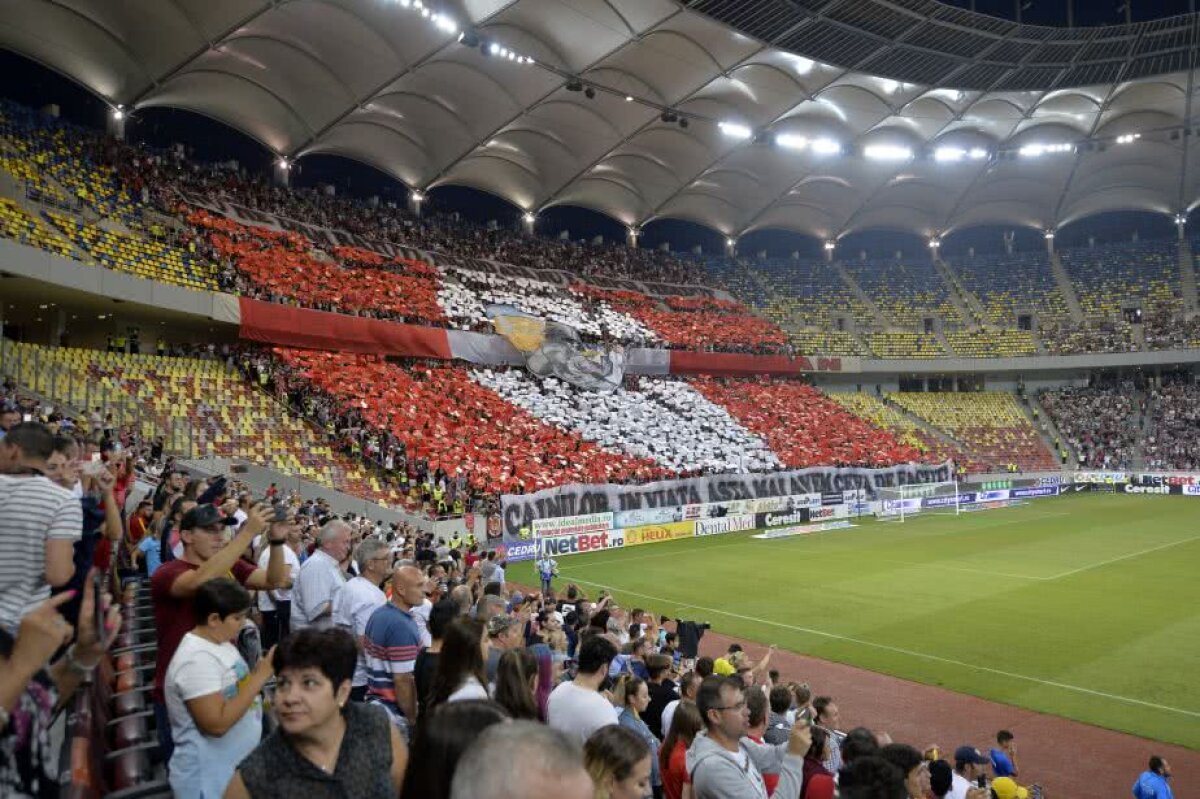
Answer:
(1085, 606)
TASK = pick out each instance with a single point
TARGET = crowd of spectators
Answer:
(1071, 338)
(375, 693)
(1100, 423)
(1174, 442)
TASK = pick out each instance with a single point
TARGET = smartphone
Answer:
(27, 417)
(981, 781)
(98, 603)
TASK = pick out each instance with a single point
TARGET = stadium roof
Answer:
(973, 99)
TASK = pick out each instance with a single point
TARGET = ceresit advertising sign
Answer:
(797, 516)
(561, 545)
(725, 524)
(573, 525)
(654, 533)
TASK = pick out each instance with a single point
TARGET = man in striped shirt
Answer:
(39, 524)
(392, 643)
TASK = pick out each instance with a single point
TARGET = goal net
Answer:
(902, 501)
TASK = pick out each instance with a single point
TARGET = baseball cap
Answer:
(1005, 788)
(204, 516)
(500, 623)
(969, 754)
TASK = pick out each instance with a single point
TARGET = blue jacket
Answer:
(629, 719)
(1152, 786)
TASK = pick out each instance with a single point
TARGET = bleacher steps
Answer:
(968, 305)
(1187, 276)
(1063, 281)
(941, 339)
(1051, 431)
(863, 297)
(1146, 427)
(1043, 418)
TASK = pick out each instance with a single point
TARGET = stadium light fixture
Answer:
(1128, 138)
(830, 245)
(1049, 235)
(629, 98)
(977, 153)
(284, 163)
(824, 146)
(445, 24)
(417, 196)
(1038, 150)
(735, 130)
(119, 113)
(888, 152)
(951, 154)
(529, 217)
(935, 243)
(791, 141)
(1180, 219)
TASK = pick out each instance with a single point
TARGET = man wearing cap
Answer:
(505, 632)
(207, 555)
(969, 765)
(276, 604)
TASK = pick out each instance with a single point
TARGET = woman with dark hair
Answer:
(461, 673)
(672, 757)
(425, 669)
(442, 738)
(634, 695)
(818, 782)
(305, 755)
(912, 765)
(516, 684)
(618, 762)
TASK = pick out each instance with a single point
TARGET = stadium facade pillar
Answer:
(731, 246)
(631, 237)
(415, 200)
(1181, 226)
(1049, 242)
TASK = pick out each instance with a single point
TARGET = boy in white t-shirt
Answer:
(212, 695)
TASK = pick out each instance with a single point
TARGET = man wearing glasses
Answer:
(359, 598)
(208, 553)
(725, 764)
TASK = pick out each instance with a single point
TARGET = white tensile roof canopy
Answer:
(390, 84)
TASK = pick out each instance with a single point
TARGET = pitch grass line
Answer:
(1130, 556)
(908, 652)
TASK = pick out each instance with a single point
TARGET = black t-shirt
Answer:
(423, 673)
(660, 697)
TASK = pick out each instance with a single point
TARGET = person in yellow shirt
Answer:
(726, 665)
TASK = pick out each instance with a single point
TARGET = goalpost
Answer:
(897, 503)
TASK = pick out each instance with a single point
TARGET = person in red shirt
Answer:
(672, 756)
(138, 522)
(207, 554)
(756, 703)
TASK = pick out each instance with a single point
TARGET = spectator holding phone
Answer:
(32, 689)
(1004, 755)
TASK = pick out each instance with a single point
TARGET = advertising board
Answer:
(1191, 491)
(573, 525)
(562, 545)
(828, 512)
(725, 524)
(636, 518)
(654, 533)
(1034, 491)
(517, 551)
(797, 516)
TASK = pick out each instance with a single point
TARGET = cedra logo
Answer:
(584, 542)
